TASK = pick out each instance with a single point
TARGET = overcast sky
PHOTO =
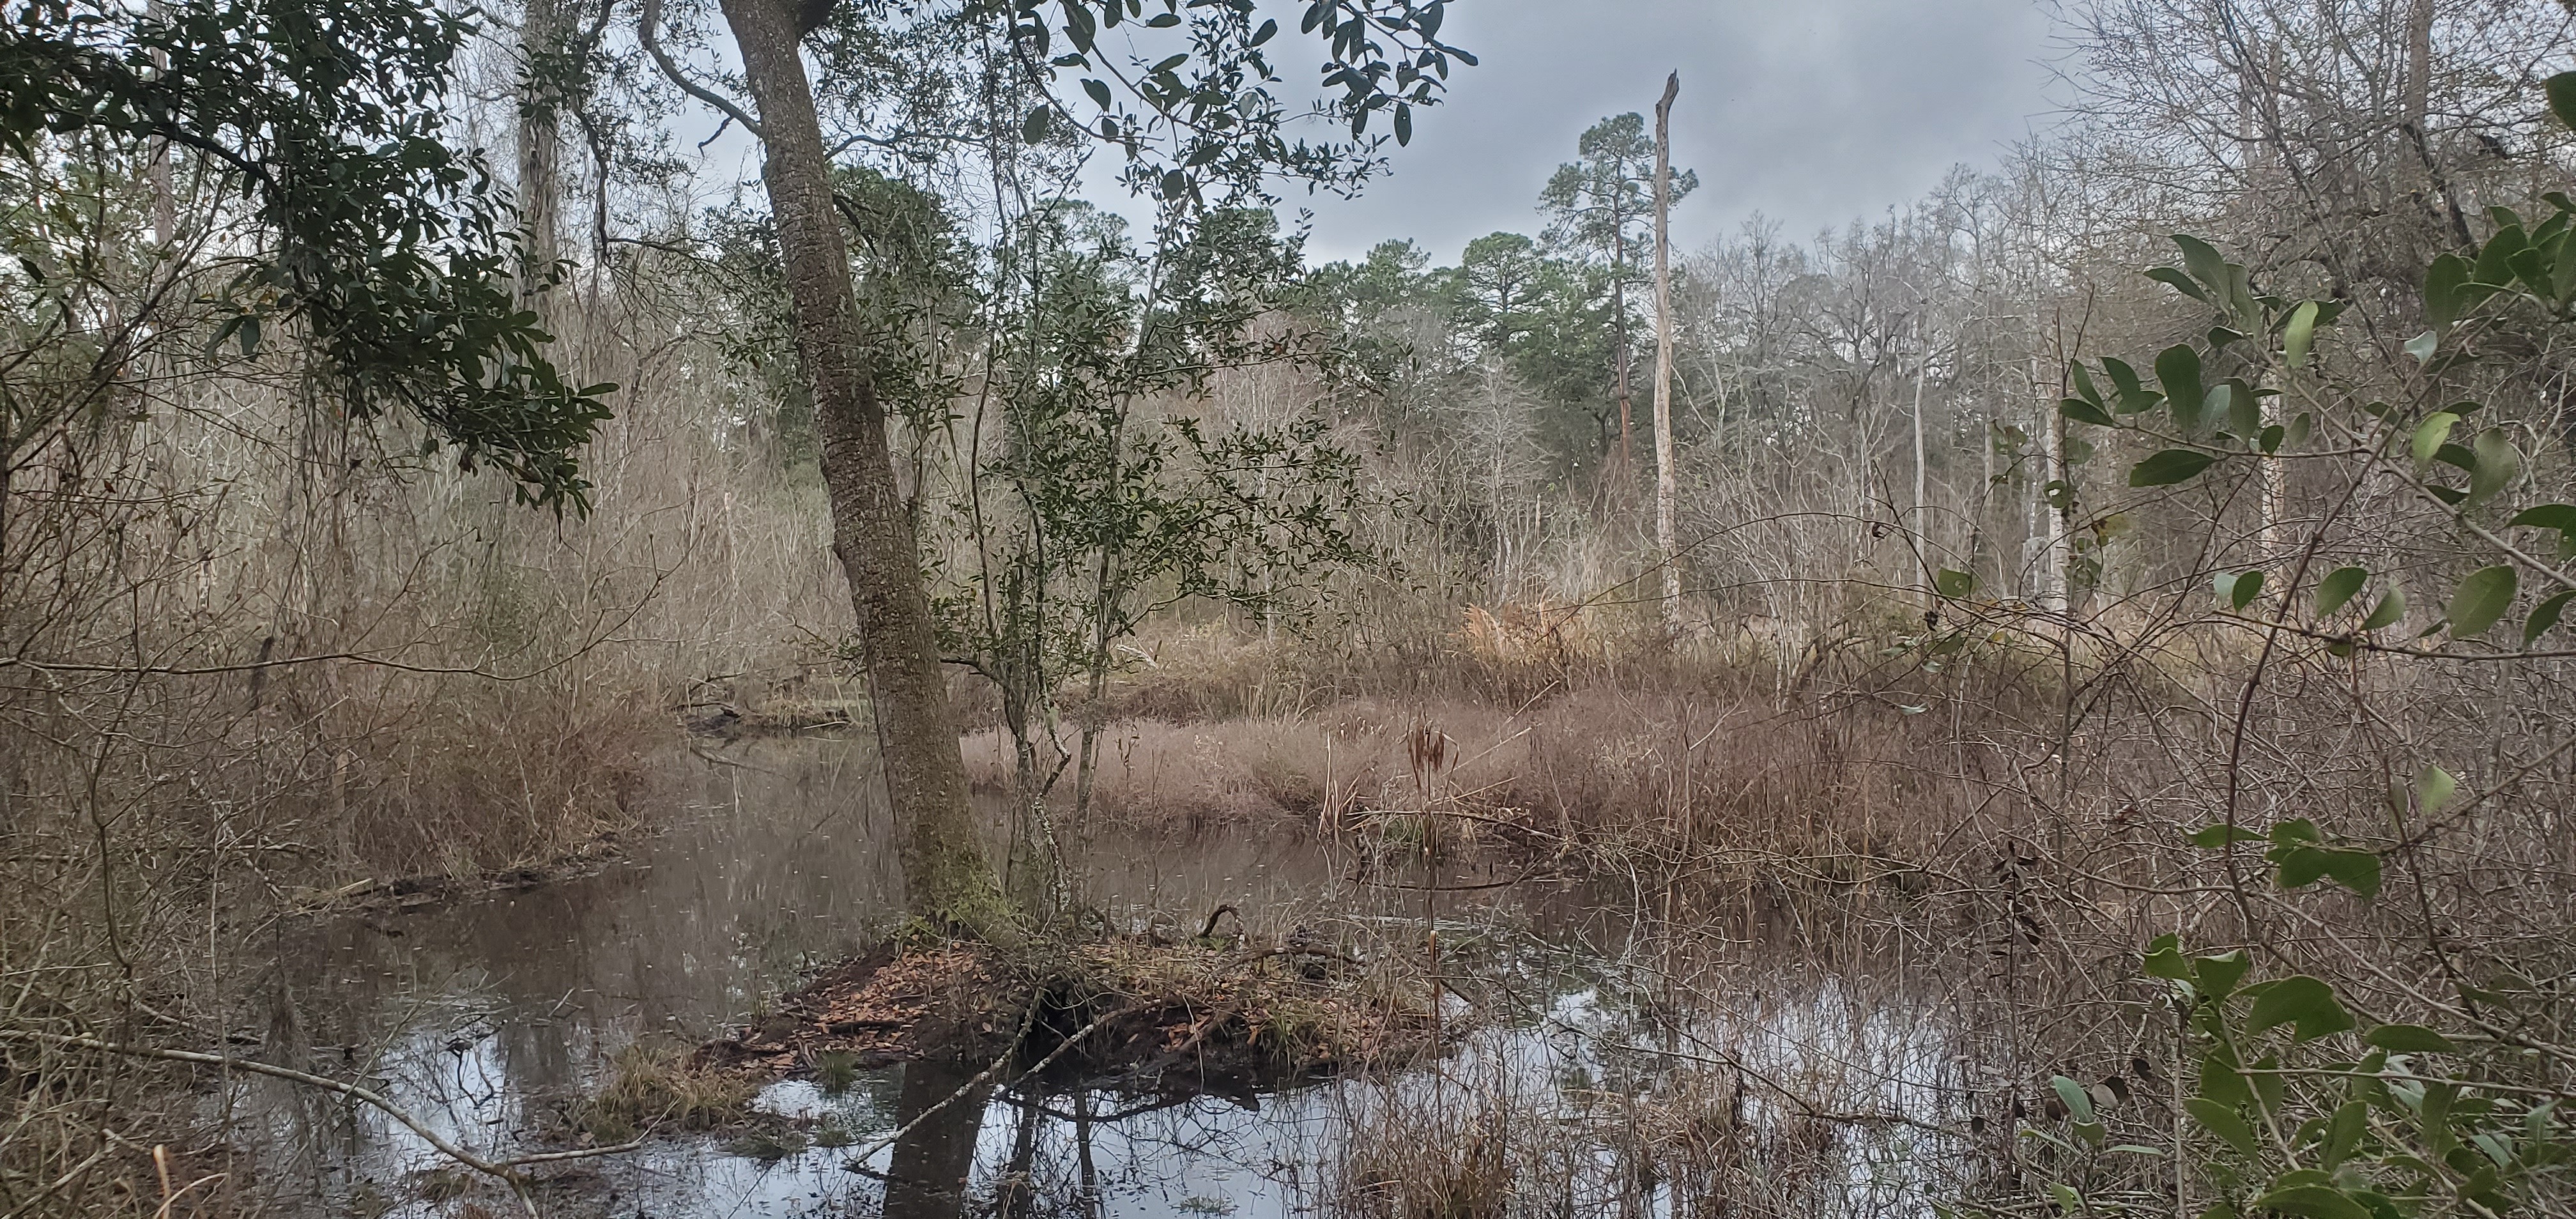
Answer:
(1812, 112)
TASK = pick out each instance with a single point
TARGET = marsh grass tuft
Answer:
(836, 1070)
(657, 1087)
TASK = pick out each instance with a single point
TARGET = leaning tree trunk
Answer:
(945, 875)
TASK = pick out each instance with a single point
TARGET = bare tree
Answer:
(1664, 537)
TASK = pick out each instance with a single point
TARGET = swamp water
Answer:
(487, 1017)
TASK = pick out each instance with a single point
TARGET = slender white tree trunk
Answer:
(1664, 535)
(165, 209)
(2276, 487)
(1922, 508)
(540, 138)
(2052, 447)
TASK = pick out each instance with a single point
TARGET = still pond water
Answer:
(486, 1016)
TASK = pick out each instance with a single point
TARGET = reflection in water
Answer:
(934, 1161)
(486, 1017)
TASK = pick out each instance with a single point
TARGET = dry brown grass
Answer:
(1595, 765)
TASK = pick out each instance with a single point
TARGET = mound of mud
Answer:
(1126, 1013)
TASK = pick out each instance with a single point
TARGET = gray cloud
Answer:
(1813, 112)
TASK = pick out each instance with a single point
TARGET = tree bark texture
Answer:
(946, 878)
(1664, 491)
(542, 33)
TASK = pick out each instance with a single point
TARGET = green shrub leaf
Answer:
(2169, 467)
(2223, 1121)
(2300, 334)
(2544, 617)
(2496, 464)
(2307, 1004)
(2391, 607)
(2338, 588)
(2313, 1202)
(2431, 435)
(2079, 1103)
(2082, 411)
(2442, 283)
(2178, 369)
(2434, 788)
(2212, 837)
(2482, 600)
(2409, 1039)
(2179, 281)
(2562, 97)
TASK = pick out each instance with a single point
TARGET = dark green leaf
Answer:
(2300, 867)
(2561, 517)
(2544, 617)
(2305, 1003)
(1953, 584)
(2082, 411)
(2211, 837)
(2164, 959)
(2221, 1082)
(2179, 281)
(2223, 1121)
(2343, 1131)
(2562, 97)
(2084, 387)
(2218, 975)
(2442, 282)
(2178, 369)
(2240, 588)
(2124, 381)
(2354, 870)
(2338, 589)
(2169, 467)
(2482, 600)
(2409, 1039)
(2295, 831)
(1033, 129)
(2203, 260)
(2312, 1202)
